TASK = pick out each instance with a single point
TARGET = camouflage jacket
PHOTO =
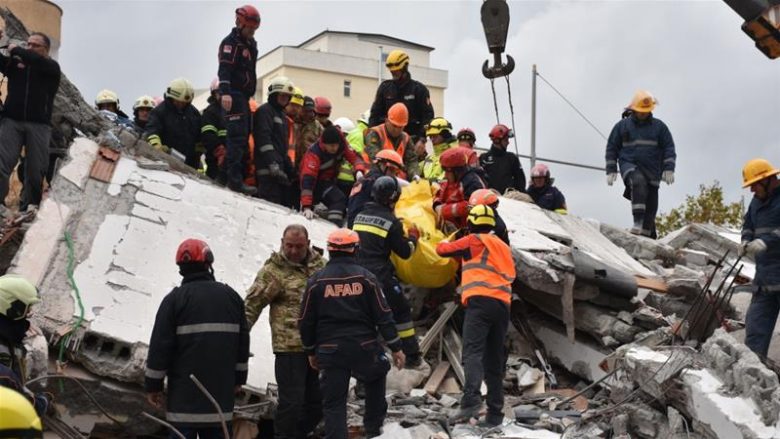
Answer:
(281, 283)
(306, 135)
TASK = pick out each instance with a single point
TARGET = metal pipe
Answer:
(214, 403)
(533, 118)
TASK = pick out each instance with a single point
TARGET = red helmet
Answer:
(467, 135)
(540, 170)
(454, 158)
(390, 156)
(322, 106)
(501, 132)
(248, 16)
(194, 250)
(343, 240)
(488, 197)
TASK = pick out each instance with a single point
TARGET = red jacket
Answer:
(317, 165)
(454, 197)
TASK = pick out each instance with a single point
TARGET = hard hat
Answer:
(281, 84)
(757, 170)
(398, 114)
(17, 295)
(540, 170)
(454, 158)
(643, 102)
(181, 90)
(144, 102)
(397, 60)
(389, 156)
(214, 85)
(344, 124)
(501, 132)
(17, 416)
(297, 97)
(482, 215)
(488, 197)
(438, 126)
(248, 16)
(385, 190)
(467, 134)
(322, 106)
(343, 240)
(106, 97)
(364, 116)
(194, 251)
(308, 102)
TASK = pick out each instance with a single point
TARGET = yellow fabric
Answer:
(424, 268)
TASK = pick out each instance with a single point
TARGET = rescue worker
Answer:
(293, 109)
(451, 201)
(489, 197)
(214, 134)
(542, 191)
(141, 109)
(440, 133)
(17, 297)
(488, 271)
(310, 130)
(346, 176)
(503, 167)
(381, 232)
(642, 147)
(402, 88)
(273, 167)
(420, 148)
(200, 329)
(391, 135)
(281, 284)
(107, 104)
(761, 241)
(387, 162)
(357, 135)
(467, 138)
(237, 84)
(322, 109)
(342, 315)
(17, 416)
(175, 124)
(319, 170)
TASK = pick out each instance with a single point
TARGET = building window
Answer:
(347, 88)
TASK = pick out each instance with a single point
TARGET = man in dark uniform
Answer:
(213, 134)
(503, 168)
(343, 312)
(273, 166)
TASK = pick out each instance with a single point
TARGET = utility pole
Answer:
(533, 116)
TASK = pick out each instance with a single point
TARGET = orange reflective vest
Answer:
(291, 139)
(387, 143)
(489, 273)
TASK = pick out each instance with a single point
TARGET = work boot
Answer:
(243, 189)
(465, 414)
(492, 420)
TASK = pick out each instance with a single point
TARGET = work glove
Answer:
(308, 213)
(414, 233)
(276, 172)
(359, 176)
(668, 177)
(742, 250)
(611, 177)
(755, 247)
(219, 153)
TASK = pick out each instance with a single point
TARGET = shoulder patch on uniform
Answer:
(227, 48)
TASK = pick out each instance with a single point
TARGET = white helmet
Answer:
(106, 97)
(364, 116)
(344, 124)
(281, 84)
(181, 90)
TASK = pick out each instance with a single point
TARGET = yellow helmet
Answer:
(757, 170)
(643, 102)
(482, 215)
(297, 97)
(281, 84)
(437, 126)
(397, 60)
(17, 416)
(106, 97)
(144, 102)
(181, 90)
(17, 294)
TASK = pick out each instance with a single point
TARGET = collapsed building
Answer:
(613, 335)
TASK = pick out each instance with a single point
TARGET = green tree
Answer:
(706, 207)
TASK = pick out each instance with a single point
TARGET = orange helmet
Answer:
(248, 16)
(390, 156)
(454, 158)
(398, 114)
(322, 106)
(488, 197)
(343, 240)
(194, 251)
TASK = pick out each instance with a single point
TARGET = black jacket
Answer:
(380, 233)
(200, 329)
(413, 94)
(503, 169)
(361, 194)
(343, 303)
(32, 83)
(237, 61)
(213, 130)
(271, 138)
(177, 129)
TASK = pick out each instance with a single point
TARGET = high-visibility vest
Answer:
(489, 273)
(387, 143)
(291, 139)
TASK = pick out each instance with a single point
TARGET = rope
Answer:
(72, 281)
(571, 105)
(495, 102)
(511, 112)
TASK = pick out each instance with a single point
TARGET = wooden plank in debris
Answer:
(437, 377)
(651, 283)
(567, 302)
(453, 348)
(433, 333)
(105, 164)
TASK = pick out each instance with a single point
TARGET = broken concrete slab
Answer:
(581, 358)
(638, 247)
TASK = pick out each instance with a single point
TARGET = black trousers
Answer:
(237, 124)
(35, 138)
(644, 201)
(402, 314)
(484, 356)
(368, 363)
(328, 193)
(300, 401)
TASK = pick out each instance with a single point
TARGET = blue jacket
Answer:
(762, 221)
(547, 197)
(645, 144)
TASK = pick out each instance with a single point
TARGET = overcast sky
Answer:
(718, 94)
